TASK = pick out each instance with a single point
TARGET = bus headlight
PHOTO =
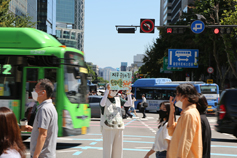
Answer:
(67, 120)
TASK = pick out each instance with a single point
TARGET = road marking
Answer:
(212, 120)
(147, 126)
(66, 151)
(221, 146)
(217, 154)
(77, 153)
(93, 143)
(126, 135)
(130, 122)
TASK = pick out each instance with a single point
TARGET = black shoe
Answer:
(144, 117)
(131, 116)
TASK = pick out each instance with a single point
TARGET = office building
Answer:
(95, 68)
(46, 16)
(171, 10)
(24, 7)
(18, 7)
(123, 66)
(70, 15)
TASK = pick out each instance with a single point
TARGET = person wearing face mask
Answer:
(111, 122)
(45, 127)
(186, 133)
(162, 138)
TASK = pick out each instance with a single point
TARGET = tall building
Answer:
(123, 66)
(46, 16)
(95, 68)
(165, 12)
(70, 23)
(18, 7)
(170, 10)
(105, 72)
(32, 10)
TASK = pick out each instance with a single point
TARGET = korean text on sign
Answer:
(120, 80)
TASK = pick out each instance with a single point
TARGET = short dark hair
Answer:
(188, 90)
(202, 104)
(47, 85)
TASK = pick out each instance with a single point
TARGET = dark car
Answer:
(94, 102)
(227, 112)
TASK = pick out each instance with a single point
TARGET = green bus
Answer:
(26, 55)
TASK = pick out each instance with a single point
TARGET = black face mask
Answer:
(163, 114)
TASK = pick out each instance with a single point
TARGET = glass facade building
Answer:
(65, 11)
(70, 15)
(123, 66)
(18, 7)
(46, 16)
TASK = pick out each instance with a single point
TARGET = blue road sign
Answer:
(186, 58)
(197, 26)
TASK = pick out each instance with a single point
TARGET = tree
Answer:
(8, 19)
(220, 12)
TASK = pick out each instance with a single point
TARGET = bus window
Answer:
(148, 93)
(8, 85)
(208, 89)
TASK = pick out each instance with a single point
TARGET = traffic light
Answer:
(126, 30)
(222, 30)
(175, 30)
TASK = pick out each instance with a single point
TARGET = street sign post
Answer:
(166, 68)
(210, 70)
(197, 26)
(186, 58)
(147, 25)
(209, 81)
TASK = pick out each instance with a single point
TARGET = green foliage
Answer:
(214, 50)
(91, 73)
(8, 19)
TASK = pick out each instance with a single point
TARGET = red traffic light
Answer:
(169, 30)
(216, 31)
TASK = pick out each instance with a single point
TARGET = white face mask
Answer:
(113, 93)
(179, 104)
(34, 95)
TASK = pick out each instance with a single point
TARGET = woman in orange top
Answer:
(186, 134)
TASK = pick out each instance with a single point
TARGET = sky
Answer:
(103, 46)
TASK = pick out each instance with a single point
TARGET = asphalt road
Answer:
(139, 135)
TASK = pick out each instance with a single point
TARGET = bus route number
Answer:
(6, 69)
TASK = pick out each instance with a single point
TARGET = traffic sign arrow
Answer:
(183, 59)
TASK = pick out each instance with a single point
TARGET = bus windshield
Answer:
(75, 78)
(208, 89)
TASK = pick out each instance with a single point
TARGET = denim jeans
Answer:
(161, 154)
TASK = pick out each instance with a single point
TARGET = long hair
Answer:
(202, 104)
(10, 135)
(167, 106)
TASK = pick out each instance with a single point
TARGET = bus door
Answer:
(30, 77)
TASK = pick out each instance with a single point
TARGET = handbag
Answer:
(145, 104)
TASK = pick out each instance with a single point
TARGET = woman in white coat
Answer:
(111, 122)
